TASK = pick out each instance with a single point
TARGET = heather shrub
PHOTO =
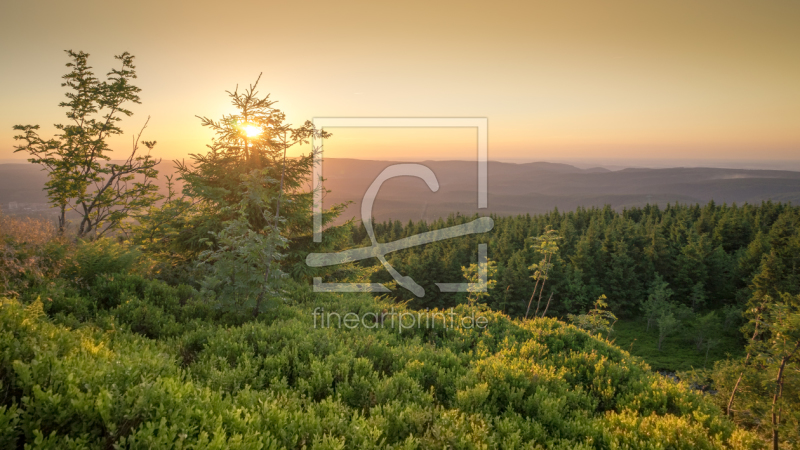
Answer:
(31, 253)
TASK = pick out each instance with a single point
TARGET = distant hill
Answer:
(539, 187)
(22, 183)
(513, 188)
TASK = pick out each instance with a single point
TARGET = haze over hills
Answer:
(21, 186)
(539, 187)
(513, 188)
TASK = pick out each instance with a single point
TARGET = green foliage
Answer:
(30, 253)
(705, 329)
(479, 287)
(667, 324)
(243, 267)
(763, 389)
(545, 245)
(93, 259)
(534, 383)
(159, 231)
(245, 213)
(103, 194)
(678, 350)
(108, 355)
(708, 255)
(598, 320)
(657, 303)
(283, 383)
(252, 144)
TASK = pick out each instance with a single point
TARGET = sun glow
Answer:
(252, 130)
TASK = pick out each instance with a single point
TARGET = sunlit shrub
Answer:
(282, 383)
(92, 259)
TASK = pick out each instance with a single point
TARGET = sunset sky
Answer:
(568, 80)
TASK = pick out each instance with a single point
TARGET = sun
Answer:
(252, 130)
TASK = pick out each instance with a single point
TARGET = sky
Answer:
(558, 81)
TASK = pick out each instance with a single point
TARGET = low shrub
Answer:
(283, 383)
(31, 253)
(92, 259)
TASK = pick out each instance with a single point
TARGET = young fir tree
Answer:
(250, 197)
(244, 265)
(667, 324)
(657, 303)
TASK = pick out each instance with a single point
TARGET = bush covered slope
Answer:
(187, 377)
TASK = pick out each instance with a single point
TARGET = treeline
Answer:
(710, 256)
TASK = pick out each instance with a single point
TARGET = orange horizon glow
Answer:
(716, 80)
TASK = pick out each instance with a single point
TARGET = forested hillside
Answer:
(710, 256)
(97, 354)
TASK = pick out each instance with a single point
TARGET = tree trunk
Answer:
(257, 308)
(531, 300)
(62, 219)
(548, 303)
(776, 415)
(544, 280)
(739, 380)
